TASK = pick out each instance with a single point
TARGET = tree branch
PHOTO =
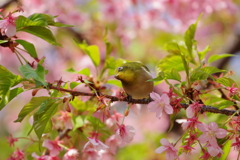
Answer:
(204, 108)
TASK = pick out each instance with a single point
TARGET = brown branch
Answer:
(204, 108)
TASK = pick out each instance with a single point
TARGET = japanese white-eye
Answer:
(134, 76)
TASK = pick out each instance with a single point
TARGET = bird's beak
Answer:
(116, 76)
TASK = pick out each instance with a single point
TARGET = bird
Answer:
(134, 77)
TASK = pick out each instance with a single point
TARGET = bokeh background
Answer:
(138, 30)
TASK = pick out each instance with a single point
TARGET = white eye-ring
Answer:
(120, 69)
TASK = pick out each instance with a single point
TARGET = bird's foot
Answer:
(129, 98)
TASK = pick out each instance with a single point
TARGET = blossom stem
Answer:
(230, 118)
(177, 141)
(30, 139)
(127, 109)
(21, 56)
(18, 58)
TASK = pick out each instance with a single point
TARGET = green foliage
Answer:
(215, 101)
(203, 73)
(37, 24)
(42, 118)
(92, 51)
(29, 47)
(7, 81)
(214, 57)
(3, 41)
(34, 103)
(74, 84)
(41, 32)
(114, 82)
(228, 82)
(38, 75)
(170, 74)
(203, 53)
(84, 71)
(169, 62)
(226, 150)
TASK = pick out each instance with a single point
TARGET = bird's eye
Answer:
(120, 69)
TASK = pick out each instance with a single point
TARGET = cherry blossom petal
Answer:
(213, 126)
(155, 96)
(161, 149)
(153, 106)
(165, 98)
(168, 109)
(165, 142)
(190, 112)
(221, 133)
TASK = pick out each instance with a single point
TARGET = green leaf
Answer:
(14, 92)
(173, 74)
(169, 62)
(32, 105)
(7, 81)
(46, 18)
(109, 48)
(85, 71)
(217, 57)
(228, 82)
(92, 51)
(6, 73)
(79, 121)
(203, 73)
(5, 85)
(71, 70)
(203, 53)
(3, 41)
(189, 36)
(42, 118)
(23, 22)
(43, 33)
(198, 74)
(38, 74)
(226, 150)
(29, 47)
(211, 70)
(58, 24)
(215, 101)
(74, 84)
(172, 47)
(114, 82)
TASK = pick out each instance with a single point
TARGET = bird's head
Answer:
(126, 72)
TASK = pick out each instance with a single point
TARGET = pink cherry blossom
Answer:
(232, 90)
(160, 104)
(8, 24)
(53, 146)
(17, 155)
(193, 109)
(115, 118)
(66, 119)
(36, 157)
(171, 152)
(210, 133)
(191, 123)
(91, 153)
(11, 140)
(72, 154)
(214, 151)
(205, 155)
(96, 143)
(125, 134)
(113, 143)
(236, 145)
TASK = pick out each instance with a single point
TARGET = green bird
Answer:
(134, 76)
